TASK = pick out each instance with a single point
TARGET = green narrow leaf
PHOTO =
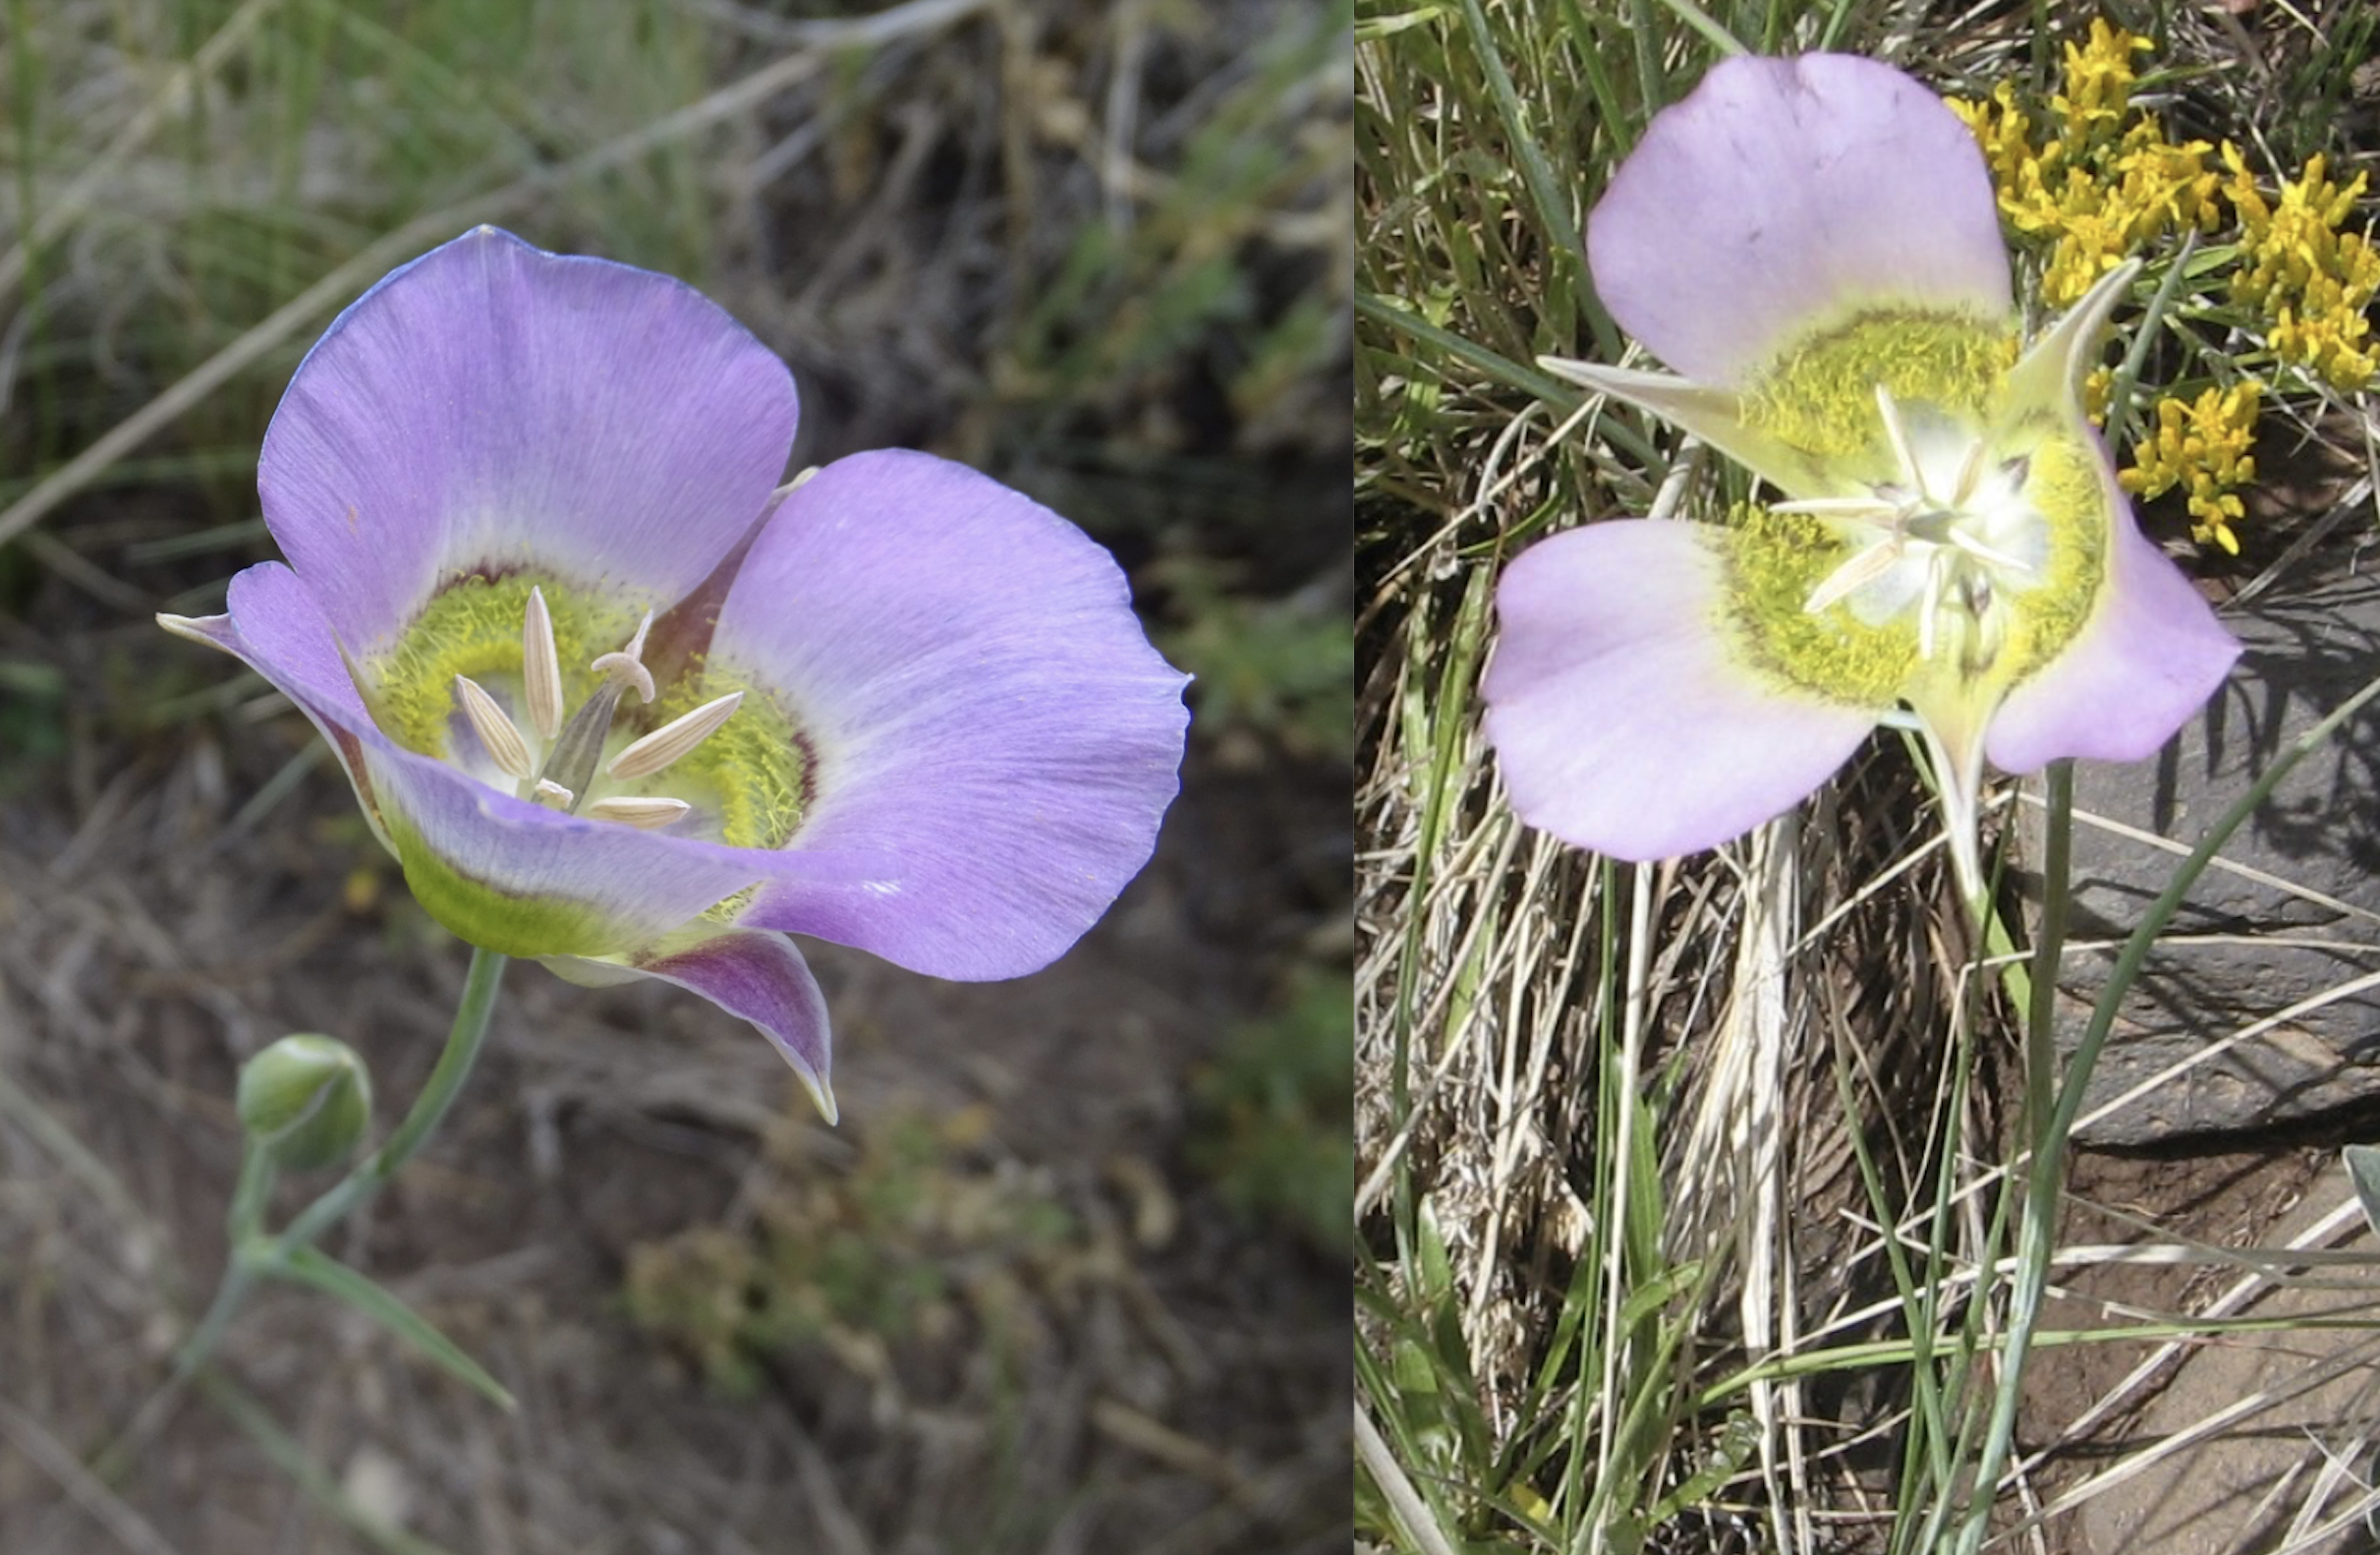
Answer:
(311, 1267)
(2364, 1170)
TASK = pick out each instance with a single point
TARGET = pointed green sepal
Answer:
(1714, 415)
(2052, 370)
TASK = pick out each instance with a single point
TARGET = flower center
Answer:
(565, 765)
(1948, 538)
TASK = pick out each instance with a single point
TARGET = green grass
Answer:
(1627, 1137)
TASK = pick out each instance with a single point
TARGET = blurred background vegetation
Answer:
(1075, 1260)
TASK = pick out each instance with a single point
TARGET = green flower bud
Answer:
(305, 1101)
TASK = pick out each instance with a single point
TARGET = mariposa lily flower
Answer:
(618, 701)
(1812, 243)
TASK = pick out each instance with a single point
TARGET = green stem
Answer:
(2037, 1228)
(254, 1255)
(247, 1201)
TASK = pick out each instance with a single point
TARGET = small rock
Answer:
(2305, 868)
(379, 1485)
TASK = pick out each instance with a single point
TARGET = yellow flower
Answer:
(2105, 183)
(2095, 390)
(2098, 84)
(2311, 281)
(2203, 445)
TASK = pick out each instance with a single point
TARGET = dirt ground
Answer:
(1161, 1376)
(2257, 1195)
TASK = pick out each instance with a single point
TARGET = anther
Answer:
(673, 739)
(496, 731)
(541, 670)
(645, 814)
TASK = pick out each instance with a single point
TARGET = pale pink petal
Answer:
(2150, 656)
(1781, 194)
(1621, 721)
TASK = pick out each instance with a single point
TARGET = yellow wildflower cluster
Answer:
(2309, 279)
(2095, 391)
(2101, 182)
(2203, 445)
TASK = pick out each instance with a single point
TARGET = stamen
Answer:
(541, 670)
(645, 814)
(552, 793)
(628, 663)
(1970, 474)
(1845, 580)
(673, 739)
(496, 731)
(1968, 542)
(1930, 605)
(1897, 435)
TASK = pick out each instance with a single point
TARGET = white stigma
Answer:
(628, 664)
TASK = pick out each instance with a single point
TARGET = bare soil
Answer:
(1162, 1375)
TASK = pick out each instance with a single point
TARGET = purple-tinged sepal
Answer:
(747, 972)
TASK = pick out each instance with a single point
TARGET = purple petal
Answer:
(761, 978)
(2149, 658)
(1621, 721)
(1782, 193)
(546, 883)
(272, 622)
(493, 406)
(984, 708)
